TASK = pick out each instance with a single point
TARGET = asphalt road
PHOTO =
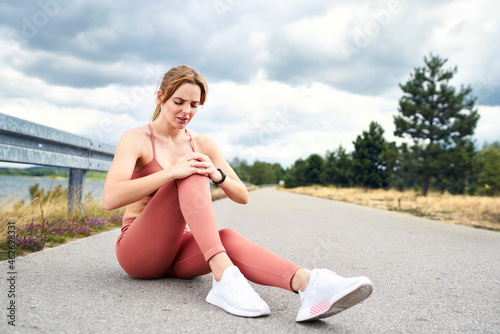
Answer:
(429, 277)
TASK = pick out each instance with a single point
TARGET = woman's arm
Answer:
(120, 190)
(212, 158)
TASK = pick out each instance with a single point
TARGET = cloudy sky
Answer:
(286, 78)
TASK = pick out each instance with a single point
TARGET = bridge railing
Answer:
(26, 142)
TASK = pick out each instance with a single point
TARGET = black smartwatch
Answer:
(223, 176)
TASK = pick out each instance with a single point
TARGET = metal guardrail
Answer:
(26, 142)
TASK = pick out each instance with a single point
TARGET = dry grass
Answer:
(474, 211)
(217, 193)
(54, 209)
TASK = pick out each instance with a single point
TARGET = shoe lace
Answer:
(324, 280)
(237, 286)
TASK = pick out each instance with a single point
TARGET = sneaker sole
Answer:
(349, 297)
(219, 302)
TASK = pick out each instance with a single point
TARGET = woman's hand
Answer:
(184, 167)
(209, 157)
(204, 165)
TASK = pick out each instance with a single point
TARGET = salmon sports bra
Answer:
(153, 166)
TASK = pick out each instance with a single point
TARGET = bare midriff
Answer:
(134, 209)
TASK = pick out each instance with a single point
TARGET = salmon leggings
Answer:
(157, 244)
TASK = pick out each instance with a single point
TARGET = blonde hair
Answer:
(175, 78)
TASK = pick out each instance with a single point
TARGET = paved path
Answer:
(428, 276)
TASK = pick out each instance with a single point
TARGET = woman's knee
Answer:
(228, 235)
(194, 193)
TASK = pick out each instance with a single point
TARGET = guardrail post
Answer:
(26, 142)
(75, 189)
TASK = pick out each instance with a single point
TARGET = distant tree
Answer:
(337, 168)
(404, 168)
(279, 172)
(370, 169)
(345, 174)
(495, 145)
(396, 177)
(329, 168)
(296, 175)
(439, 120)
(262, 173)
(314, 169)
(459, 174)
(241, 168)
(489, 176)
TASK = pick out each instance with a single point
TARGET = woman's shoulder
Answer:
(137, 135)
(139, 131)
(203, 142)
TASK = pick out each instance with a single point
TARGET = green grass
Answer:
(44, 221)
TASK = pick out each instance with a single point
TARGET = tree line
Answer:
(435, 123)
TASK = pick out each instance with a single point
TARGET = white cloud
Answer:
(468, 38)
(280, 86)
(322, 34)
(487, 130)
(275, 122)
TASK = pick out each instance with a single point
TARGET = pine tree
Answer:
(329, 168)
(296, 175)
(314, 169)
(395, 175)
(337, 168)
(439, 120)
(369, 168)
(345, 174)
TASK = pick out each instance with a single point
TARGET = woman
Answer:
(161, 172)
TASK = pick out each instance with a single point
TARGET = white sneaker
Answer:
(235, 295)
(328, 294)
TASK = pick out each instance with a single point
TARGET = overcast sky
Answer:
(286, 78)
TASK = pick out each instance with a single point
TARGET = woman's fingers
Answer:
(200, 160)
(198, 156)
(203, 162)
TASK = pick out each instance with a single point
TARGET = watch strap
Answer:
(223, 177)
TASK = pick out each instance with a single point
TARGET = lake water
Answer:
(17, 187)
